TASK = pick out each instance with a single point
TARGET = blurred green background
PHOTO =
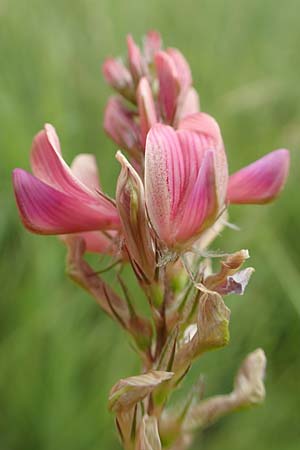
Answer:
(59, 355)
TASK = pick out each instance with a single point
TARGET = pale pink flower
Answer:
(57, 199)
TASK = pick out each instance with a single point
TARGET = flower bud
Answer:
(146, 107)
(135, 59)
(119, 124)
(130, 201)
(119, 77)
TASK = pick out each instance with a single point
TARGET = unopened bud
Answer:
(146, 107)
(135, 59)
(119, 78)
(131, 207)
(119, 124)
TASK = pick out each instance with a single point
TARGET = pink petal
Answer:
(152, 44)
(183, 68)
(49, 166)
(172, 170)
(135, 60)
(208, 129)
(97, 242)
(84, 167)
(202, 206)
(169, 85)
(146, 108)
(188, 104)
(116, 74)
(46, 210)
(261, 181)
(119, 124)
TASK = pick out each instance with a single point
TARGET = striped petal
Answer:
(179, 179)
(47, 210)
(208, 129)
(260, 182)
(169, 85)
(201, 208)
(183, 68)
(49, 166)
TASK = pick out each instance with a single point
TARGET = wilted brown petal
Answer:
(211, 330)
(129, 391)
(248, 390)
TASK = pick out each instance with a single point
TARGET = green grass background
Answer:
(59, 355)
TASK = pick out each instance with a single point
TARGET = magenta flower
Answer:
(186, 179)
(58, 199)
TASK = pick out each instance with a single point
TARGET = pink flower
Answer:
(61, 200)
(186, 179)
(182, 191)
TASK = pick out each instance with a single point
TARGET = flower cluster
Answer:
(172, 197)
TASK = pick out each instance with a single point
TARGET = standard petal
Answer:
(169, 85)
(49, 166)
(160, 185)
(260, 182)
(172, 164)
(146, 108)
(183, 68)
(46, 210)
(84, 167)
(209, 131)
